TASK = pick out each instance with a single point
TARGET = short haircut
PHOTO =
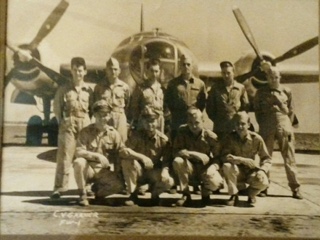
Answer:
(153, 62)
(78, 61)
(241, 115)
(194, 112)
(225, 64)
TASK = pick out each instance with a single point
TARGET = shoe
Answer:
(263, 193)
(184, 201)
(90, 193)
(155, 201)
(55, 195)
(142, 192)
(173, 190)
(83, 201)
(233, 200)
(252, 200)
(132, 200)
(205, 200)
(297, 195)
(196, 190)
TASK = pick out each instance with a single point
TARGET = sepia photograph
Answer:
(171, 119)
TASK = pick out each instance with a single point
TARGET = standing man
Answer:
(225, 99)
(183, 92)
(146, 160)
(238, 154)
(195, 152)
(117, 94)
(150, 94)
(273, 107)
(72, 106)
(97, 149)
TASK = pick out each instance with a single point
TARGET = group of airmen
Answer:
(111, 156)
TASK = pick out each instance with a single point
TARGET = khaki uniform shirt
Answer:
(146, 95)
(182, 94)
(206, 143)
(107, 143)
(156, 148)
(270, 117)
(252, 145)
(72, 102)
(223, 104)
(117, 94)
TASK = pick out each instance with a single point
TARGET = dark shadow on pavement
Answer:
(48, 155)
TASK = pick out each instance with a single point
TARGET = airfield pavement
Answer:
(26, 209)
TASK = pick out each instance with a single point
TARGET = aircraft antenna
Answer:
(141, 20)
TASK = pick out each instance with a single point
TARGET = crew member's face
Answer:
(186, 66)
(102, 119)
(153, 73)
(112, 72)
(78, 73)
(195, 124)
(150, 125)
(242, 126)
(273, 79)
(228, 75)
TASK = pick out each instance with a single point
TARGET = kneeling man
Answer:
(238, 153)
(196, 150)
(146, 159)
(97, 152)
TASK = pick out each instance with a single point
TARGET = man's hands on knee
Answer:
(147, 162)
(102, 159)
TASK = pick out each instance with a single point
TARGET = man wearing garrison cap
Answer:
(97, 156)
(146, 159)
(225, 99)
(117, 94)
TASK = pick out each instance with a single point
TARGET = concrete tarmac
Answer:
(26, 209)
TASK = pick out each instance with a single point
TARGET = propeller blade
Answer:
(301, 48)
(246, 31)
(49, 23)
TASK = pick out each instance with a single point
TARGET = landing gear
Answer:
(34, 131)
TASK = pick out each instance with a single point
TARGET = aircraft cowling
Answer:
(28, 78)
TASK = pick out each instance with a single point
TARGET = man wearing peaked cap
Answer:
(225, 99)
(97, 150)
(117, 94)
(146, 159)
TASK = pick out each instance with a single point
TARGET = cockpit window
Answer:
(159, 50)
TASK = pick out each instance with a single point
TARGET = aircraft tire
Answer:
(34, 131)
(53, 132)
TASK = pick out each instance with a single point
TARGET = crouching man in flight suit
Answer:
(238, 153)
(97, 150)
(146, 159)
(195, 150)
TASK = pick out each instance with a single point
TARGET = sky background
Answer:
(93, 28)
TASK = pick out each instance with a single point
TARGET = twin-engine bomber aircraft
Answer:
(133, 53)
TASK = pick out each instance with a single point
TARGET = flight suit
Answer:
(151, 96)
(107, 143)
(182, 94)
(117, 95)
(157, 149)
(274, 114)
(237, 176)
(223, 104)
(71, 107)
(207, 146)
